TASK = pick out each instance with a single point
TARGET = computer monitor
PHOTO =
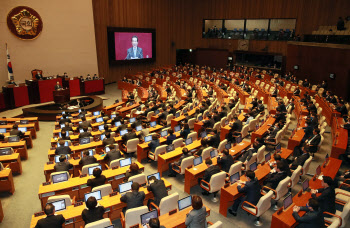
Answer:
(131, 120)
(57, 158)
(22, 129)
(157, 175)
(123, 132)
(287, 201)
(200, 118)
(84, 140)
(318, 170)
(156, 112)
(96, 194)
(99, 119)
(305, 184)
(61, 177)
(203, 134)
(107, 149)
(2, 130)
(91, 153)
(253, 166)
(188, 141)
(177, 114)
(3, 122)
(278, 147)
(228, 146)
(139, 128)
(131, 103)
(184, 203)
(62, 125)
(113, 116)
(147, 216)
(79, 111)
(125, 187)
(238, 139)
(170, 148)
(148, 138)
(65, 143)
(63, 112)
(110, 226)
(267, 157)
(234, 178)
(164, 133)
(59, 205)
(13, 139)
(24, 122)
(91, 169)
(81, 130)
(6, 151)
(117, 124)
(101, 127)
(213, 153)
(97, 113)
(125, 162)
(103, 136)
(185, 110)
(153, 124)
(177, 128)
(197, 161)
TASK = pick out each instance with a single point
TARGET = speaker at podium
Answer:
(61, 96)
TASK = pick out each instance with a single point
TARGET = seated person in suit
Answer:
(122, 125)
(260, 107)
(157, 187)
(300, 160)
(130, 135)
(209, 172)
(88, 77)
(85, 133)
(133, 170)
(313, 217)
(38, 75)
(108, 139)
(12, 82)
(204, 145)
(327, 198)
(154, 223)
(58, 86)
(342, 108)
(247, 155)
(171, 137)
(87, 159)
(98, 180)
(16, 132)
(64, 119)
(251, 190)
(285, 166)
(162, 116)
(64, 135)
(67, 127)
(297, 91)
(276, 175)
(311, 144)
(185, 131)
(214, 140)
(51, 220)
(62, 149)
(249, 116)
(153, 144)
(197, 217)
(84, 123)
(93, 212)
(226, 160)
(134, 198)
(185, 154)
(63, 165)
(112, 154)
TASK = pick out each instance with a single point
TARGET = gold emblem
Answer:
(26, 23)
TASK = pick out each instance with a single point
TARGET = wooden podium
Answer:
(61, 96)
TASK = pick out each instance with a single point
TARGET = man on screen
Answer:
(134, 52)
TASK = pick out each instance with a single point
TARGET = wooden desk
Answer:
(261, 131)
(175, 121)
(111, 108)
(27, 138)
(32, 120)
(30, 128)
(340, 137)
(20, 146)
(6, 181)
(14, 162)
(272, 105)
(225, 130)
(123, 111)
(297, 135)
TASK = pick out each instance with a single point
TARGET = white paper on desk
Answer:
(320, 177)
(241, 144)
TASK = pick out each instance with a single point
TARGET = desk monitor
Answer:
(157, 175)
(188, 141)
(65, 144)
(131, 120)
(203, 134)
(288, 200)
(6, 151)
(101, 127)
(3, 122)
(305, 185)
(197, 161)
(113, 116)
(153, 124)
(170, 148)
(110, 226)
(107, 149)
(253, 166)
(62, 125)
(148, 138)
(96, 194)
(156, 112)
(278, 147)
(184, 203)
(59, 205)
(191, 107)
(103, 136)
(131, 104)
(24, 122)
(123, 132)
(228, 146)
(79, 110)
(84, 140)
(147, 216)
(267, 157)
(125, 162)
(91, 153)
(97, 113)
(13, 139)
(318, 170)
(117, 124)
(81, 130)
(57, 158)
(234, 178)
(91, 169)
(164, 133)
(139, 128)
(63, 112)
(213, 153)
(177, 128)
(99, 119)
(185, 111)
(200, 118)
(2, 130)
(238, 139)
(125, 187)
(61, 177)
(177, 115)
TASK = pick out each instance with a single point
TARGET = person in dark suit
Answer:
(209, 172)
(163, 115)
(93, 212)
(282, 106)
(274, 178)
(15, 131)
(300, 160)
(63, 165)
(87, 159)
(64, 119)
(112, 154)
(214, 140)
(285, 166)
(251, 189)
(108, 139)
(134, 198)
(133, 170)
(247, 155)
(341, 108)
(122, 126)
(84, 123)
(130, 135)
(327, 198)
(313, 217)
(64, 135)
(67, 127)
(196, 218)
(313, 141)
(98, 180)
(38, 75)
(185, 131)
(297, 91)
(153, 144)
(62, 149)
(85, 133)
(134, 52)
(157, 187)
(58, 86)
(171, 137)
(51, 220)
(237, 124)
(226, 160)
(185, 154)
(260, 107)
